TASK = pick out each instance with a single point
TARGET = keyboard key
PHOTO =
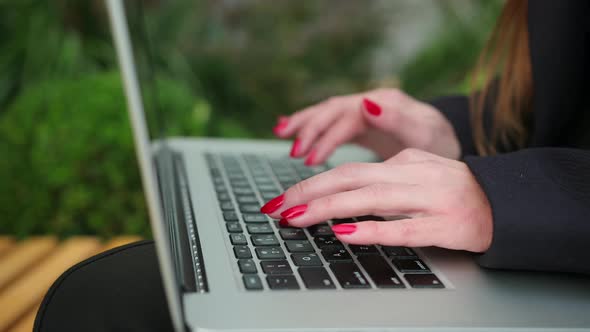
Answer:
(270, 253)
(424, 281)
(363, 250)
(325, 241)
(336, 253)
(230, 216)
(265, 240)
(226, 206)
(243, 191)
(268, 195)
(282, 282)
(320, 230)
(262, 179)
(240, 184)
(410, 265)
(252, 282)
(316, 278)
(382, 274)
(342, 221)
(288, 184)
(220, 188)
(267, 187)
(260, 229)
(246, 199)
(368, 218)
(234, 227)
(276, 267)
(255, 218)
(223, 196)
(238, 239)
(247, 266)
(235, 175)
(349, 275)
(292, 234)
(307, 259)
(299, 246)
(247, 208)
(242, 252)
(399, 252)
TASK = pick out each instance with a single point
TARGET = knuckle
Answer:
(299, 189)
(406, 233)
(349, 170)
(409, 154)
(377, 191)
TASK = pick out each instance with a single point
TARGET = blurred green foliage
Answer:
(223, 68)
(68, 163)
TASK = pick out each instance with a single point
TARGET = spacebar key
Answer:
(349, 275)
(381, 273)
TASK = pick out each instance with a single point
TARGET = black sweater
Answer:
(540, 196)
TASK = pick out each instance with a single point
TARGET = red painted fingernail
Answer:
(284, 223)
(371, 107)
(344, 229)
(310, 160)
(272, 205)
(295, 148)
(282, 124)
(294, 212)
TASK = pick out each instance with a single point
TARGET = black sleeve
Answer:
(456, 110)
(540, 201)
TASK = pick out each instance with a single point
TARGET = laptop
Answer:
(227, 267)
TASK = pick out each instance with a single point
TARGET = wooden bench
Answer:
(29, 267)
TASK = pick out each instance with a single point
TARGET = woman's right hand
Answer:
(385, 121)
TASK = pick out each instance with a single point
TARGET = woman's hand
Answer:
(447, 206)
(385, 121)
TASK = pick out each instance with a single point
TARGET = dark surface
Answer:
(540, 196)
(118, 290)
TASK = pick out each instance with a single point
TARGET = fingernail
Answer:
(295, 148)
(282, 124)
(284, 223)
(272, 205)
(344, 229)
(371, 107)
(294, 212)
(310, 160)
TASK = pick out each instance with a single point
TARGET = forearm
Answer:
(540, 201)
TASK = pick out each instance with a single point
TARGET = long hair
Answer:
(504, 66)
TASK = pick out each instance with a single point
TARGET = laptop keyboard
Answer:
(269, 256)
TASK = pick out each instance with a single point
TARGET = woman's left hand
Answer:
(446, 203)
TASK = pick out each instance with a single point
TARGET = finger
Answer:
(315, 125)
(343, 178)
(299, 118)
(416, 232)
(287, 126)
(344, 130)
(390, 112)
(378, 199)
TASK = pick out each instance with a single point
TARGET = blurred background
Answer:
(227, 68)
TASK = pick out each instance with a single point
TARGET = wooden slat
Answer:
(120, 241)
(22, 295)
(23, 256)
(6, 242)
(26, 323)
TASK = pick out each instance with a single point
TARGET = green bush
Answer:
(68, 163)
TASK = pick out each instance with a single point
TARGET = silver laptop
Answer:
(225, 266)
